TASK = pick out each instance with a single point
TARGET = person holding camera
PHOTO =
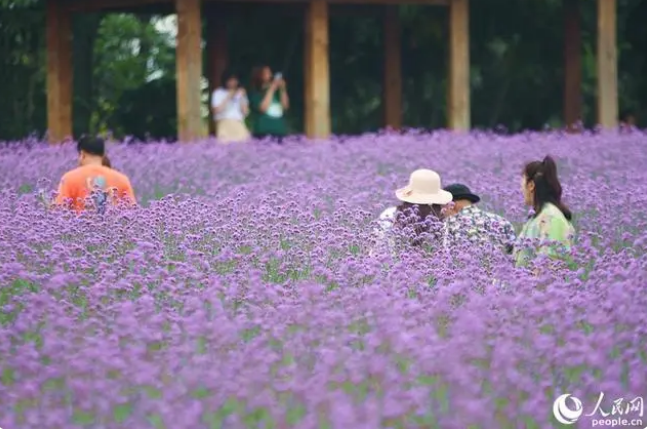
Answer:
(269, 101)
(230, 107)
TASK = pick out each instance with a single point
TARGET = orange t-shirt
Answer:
(102, 184)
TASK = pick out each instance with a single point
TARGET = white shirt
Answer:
(386, 219)
(233, 109)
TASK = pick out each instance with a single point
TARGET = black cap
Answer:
(462, 192)
(92, 145)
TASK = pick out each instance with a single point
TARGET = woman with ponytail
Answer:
(551, 222)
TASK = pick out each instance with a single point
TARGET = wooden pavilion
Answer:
(316, 63)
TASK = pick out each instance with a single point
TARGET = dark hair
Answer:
(547, 187)
(257, 77)
(106, 161)
(91, 145)
(423, 214)
(626, 114)
(226, 75)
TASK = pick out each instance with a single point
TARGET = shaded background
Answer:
(124, 65)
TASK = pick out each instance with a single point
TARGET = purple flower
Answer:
(244, 291)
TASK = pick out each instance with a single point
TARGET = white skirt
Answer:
(231, 130)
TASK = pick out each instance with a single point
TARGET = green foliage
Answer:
(22, 68)
(128, 50)
(149, 110)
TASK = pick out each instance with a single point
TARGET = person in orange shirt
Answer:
(92, 184)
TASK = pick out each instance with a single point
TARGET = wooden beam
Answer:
(317, 71)
(607, 65)
(189, 69)
(392, 99)
(572, 65)
(96, 5)
(297, 10)
(354, 10)
(59, 72)
(458, 111)
(217, 53)
(393, 2)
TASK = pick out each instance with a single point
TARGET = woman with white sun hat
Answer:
(422, 201)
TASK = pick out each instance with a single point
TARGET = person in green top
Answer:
(268, 100)
(550, 225)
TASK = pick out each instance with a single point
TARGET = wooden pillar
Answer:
(217, 53)
(317, 71)
(189, 69)
(459, 66)
(59, 72)
(607, 65)
(572, 64)
(392, 99)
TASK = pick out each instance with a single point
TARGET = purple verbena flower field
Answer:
(243, 292)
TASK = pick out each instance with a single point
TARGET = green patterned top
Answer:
(550, 225)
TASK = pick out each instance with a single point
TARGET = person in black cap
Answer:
(465, 221)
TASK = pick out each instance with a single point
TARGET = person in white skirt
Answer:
(423, 198)
(230, 107)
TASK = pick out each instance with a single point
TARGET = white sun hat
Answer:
(424, 188)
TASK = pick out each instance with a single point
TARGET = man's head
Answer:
(91, 150)
(461, 197)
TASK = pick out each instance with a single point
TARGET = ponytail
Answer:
(547, 186)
